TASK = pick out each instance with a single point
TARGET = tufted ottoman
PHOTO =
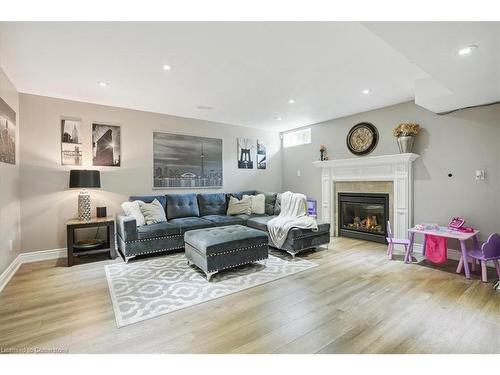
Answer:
(219, 248)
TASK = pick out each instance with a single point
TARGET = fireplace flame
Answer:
(369, 222)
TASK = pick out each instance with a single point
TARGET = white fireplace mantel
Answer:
(397, 168)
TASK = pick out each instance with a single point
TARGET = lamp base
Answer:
(84, 206)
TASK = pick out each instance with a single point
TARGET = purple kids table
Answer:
(448, 233)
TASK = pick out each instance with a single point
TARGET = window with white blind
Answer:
(297, 138)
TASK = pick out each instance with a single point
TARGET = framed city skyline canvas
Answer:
(7, 133)
(186, 161)
(106, 145)
(71, 142)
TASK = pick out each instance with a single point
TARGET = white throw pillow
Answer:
(258, 203)
(238, 207)
(153, 212)
(133, 209)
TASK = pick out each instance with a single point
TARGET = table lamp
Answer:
(82, 178)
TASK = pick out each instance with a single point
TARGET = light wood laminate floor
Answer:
(356, 301)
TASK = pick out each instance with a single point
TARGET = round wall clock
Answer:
(362, 138)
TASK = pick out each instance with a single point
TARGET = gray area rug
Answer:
(148, 288)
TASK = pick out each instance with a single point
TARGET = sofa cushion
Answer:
(270, 201)
(212, 204)
(220, 220)
(182, 205)
(157, 230)
(149, 198)
(277, 205)
(190, 223)
(245, 217)
(259, 222)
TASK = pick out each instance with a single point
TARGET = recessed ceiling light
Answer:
(467, 50)
(167, 67)
(278, 118)
(291, 101)
(102, 84)
(205, 107)
(367, 91)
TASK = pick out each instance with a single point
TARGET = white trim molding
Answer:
(30, 257)
(397, 168)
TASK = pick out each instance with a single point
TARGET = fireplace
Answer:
(363, 215)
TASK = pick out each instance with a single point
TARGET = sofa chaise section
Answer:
(297, 240)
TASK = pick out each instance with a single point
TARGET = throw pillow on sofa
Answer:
(153, 212)
(257, 203)
(133, 209)
(239, 206)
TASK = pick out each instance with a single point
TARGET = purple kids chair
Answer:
(489, 251)
(394, 241)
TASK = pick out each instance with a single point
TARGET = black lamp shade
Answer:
(82, 178)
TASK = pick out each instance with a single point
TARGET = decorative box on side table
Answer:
(107, 246)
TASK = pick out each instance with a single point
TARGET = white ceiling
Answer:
(453, 81)
(248, 71)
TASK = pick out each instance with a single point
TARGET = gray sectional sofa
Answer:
(186, 212)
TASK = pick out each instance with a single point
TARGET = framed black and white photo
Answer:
(71, 142)
(261, 155)
(7, 133)
(186, 161)
(106, 145)
(244, 149)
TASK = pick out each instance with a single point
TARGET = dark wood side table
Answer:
(96, 222)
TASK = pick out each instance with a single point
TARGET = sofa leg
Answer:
(209, 275)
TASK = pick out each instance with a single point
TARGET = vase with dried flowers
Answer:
(322, 151)
(405, 134)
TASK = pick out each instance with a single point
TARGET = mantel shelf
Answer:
(367, 160)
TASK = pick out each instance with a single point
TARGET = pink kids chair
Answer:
(394, 241)
(489, 251)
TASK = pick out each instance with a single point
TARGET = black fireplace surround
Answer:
(363, 216)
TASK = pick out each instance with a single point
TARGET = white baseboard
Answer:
(10, 271)
(34, 256)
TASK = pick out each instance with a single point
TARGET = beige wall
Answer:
(458, 143)
(46, 200)
(10, 233)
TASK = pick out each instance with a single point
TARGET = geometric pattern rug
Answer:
(148, 288)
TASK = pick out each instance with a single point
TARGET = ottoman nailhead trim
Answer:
(236, 250)
(236, 265)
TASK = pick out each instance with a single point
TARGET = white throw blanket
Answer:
(293, 215)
